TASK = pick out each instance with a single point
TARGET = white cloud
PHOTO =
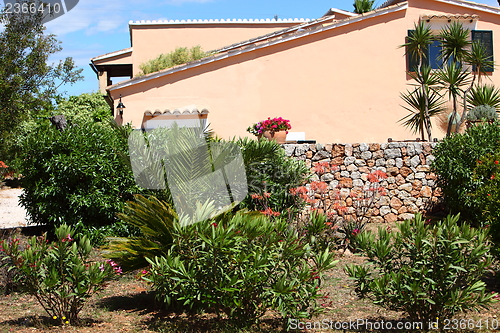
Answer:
(91, 16)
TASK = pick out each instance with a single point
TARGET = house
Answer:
(337, 78)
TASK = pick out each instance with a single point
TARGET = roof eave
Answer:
(252, 47)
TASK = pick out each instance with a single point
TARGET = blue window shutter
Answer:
(412, 60)
(485, 37)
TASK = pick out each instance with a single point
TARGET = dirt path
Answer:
(12, 214)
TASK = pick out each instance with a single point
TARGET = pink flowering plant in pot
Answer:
(272, 125)
(58, 274)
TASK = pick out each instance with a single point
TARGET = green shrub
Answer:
(455, 160)
(482, 112)
(240, 265)
(179, 56)
(59, 274)
(487, 196)
(270, 177)
(428, 270)
(79, 175)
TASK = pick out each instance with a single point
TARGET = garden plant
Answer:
(59, 274)
(427, 269)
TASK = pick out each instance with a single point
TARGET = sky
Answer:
(96, 27)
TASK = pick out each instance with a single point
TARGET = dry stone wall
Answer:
(410, 186)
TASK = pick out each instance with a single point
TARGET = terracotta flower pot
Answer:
(279, 137)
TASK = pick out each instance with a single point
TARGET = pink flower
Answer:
(101, 267)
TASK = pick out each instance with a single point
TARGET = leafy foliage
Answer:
(487, 196)
(179, 56)
(482, 112)
(269, 170)
(427, 270)
(28, 86)
(77, 176)
(155, 220)
(484, 95)
(363, 6)
(59, 274)
(455, 160)
(240, 266)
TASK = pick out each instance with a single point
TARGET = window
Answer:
(486, 38)
(432, 53)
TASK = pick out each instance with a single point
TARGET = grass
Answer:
(127, 305)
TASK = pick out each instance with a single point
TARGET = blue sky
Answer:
(96, 27)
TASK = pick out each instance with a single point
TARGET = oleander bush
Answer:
(487, 196)
(59, 274)
(426, 269)
(239, 266)
(235, 264)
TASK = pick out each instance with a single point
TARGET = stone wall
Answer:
(410, 186)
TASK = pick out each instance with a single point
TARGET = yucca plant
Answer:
(422, 105)
(417, 45)
(484, 95)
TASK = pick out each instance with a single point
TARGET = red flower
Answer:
(214, 224)
(376, 176)
(496, 162)
(3, 165)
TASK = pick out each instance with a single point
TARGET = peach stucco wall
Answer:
(149, 41)
(339, 85)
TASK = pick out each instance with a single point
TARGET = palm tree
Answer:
(418, 43)
(454, 42)
(417, 121)
(363, 6)
(479, 60)
(457, 47)
(453, 78)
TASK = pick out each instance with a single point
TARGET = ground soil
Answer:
(128, 305)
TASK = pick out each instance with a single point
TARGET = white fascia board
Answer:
(472, 5)
(217, 21)
(112, 54)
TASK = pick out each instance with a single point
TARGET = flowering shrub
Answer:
(455, 161)
(427, 270)
(272, 125)
(241, 266)
(270, 176)
(487, 196)
(347, 211)
(59, 274)
(3, 169)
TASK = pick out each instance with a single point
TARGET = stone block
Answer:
(374, 147)
(338, 150)
(390, 218)
(392, 153)
(405, 171)
(406, 216)
(396, 203)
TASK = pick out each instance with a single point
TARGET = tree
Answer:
(363, 6)
(416, 47)
(28, 85)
